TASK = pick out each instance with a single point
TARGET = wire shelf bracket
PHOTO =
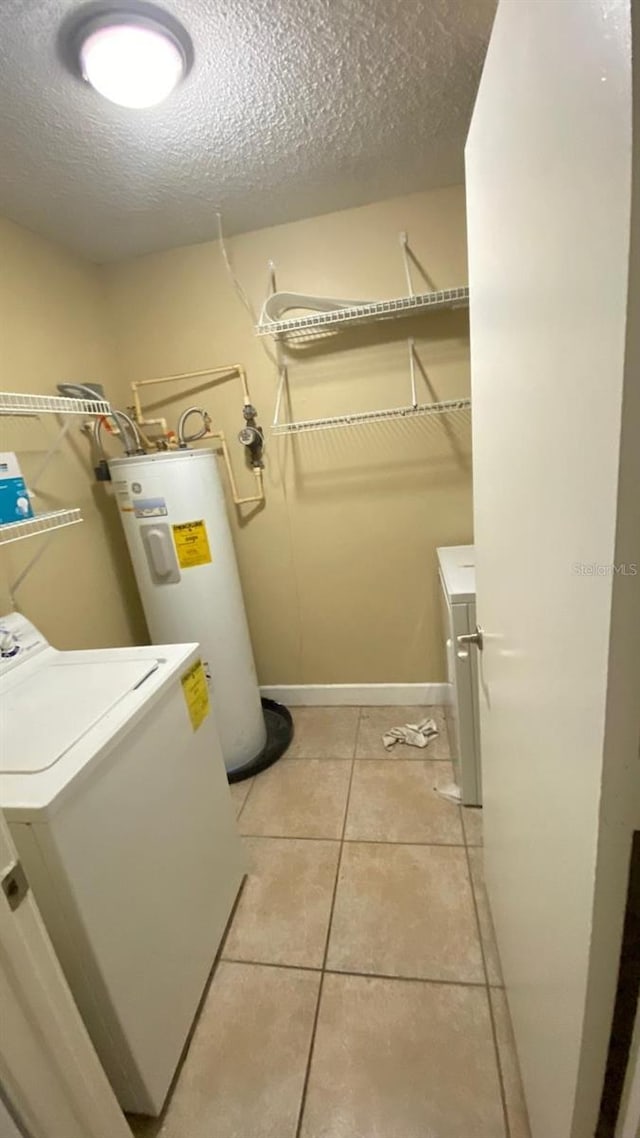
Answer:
(21, 404)
(412, 410)
(14, 403)
(43, 525)
(337, 314)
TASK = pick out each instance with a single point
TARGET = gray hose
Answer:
(128, 429)
(184, 439)
(130, 436)
(122, 417)
(80, 391)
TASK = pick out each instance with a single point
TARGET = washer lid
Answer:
(458, 570)
(48, 711)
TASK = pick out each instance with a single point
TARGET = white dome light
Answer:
(135, 63)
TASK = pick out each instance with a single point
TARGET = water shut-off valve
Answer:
(252, 437)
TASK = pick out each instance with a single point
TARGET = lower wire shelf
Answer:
(42, 523)
(412, 411)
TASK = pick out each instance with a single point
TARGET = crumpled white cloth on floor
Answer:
(451, 791)
(413, 734)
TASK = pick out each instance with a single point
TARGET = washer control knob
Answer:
(8, 644)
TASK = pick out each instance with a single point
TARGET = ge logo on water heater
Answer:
(136, 488)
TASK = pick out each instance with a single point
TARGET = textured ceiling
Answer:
(293, 108)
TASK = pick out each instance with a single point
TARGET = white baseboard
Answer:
(357, 695)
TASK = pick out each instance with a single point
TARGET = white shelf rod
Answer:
(404, 245)
(412, 372)
(41, 523)
(53, 450)
(420, 409)
(282, 379)
(16, 403)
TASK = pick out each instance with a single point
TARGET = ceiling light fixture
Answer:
(133, 56)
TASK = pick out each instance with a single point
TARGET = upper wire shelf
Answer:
(16, 403)
(298, 327)
(42, 523)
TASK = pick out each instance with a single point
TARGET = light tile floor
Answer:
(359, 992)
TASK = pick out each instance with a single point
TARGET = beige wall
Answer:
(339, 568)
(52, 331)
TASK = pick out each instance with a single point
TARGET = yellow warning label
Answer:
(196, 694)
(192, 544)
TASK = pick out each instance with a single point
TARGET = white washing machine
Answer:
(456, 564)
(113, 785)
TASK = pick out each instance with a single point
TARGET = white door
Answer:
(555, 381)
(50, 1076)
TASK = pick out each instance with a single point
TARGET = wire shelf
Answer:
(42, 523)
(299, 327)
(15, 403)
(303, 426)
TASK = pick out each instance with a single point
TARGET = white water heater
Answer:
(175, 521)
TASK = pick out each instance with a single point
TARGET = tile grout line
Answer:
(389, 757)
(342, 841)
(247, 797)
(355, 841)
(404, 979)
(354, 972)
(227, 930)
(487, 987)
(305, 1085)
(317, 968)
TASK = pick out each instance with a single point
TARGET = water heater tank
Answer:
(175, 521)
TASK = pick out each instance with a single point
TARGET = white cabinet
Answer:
(456, 566)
